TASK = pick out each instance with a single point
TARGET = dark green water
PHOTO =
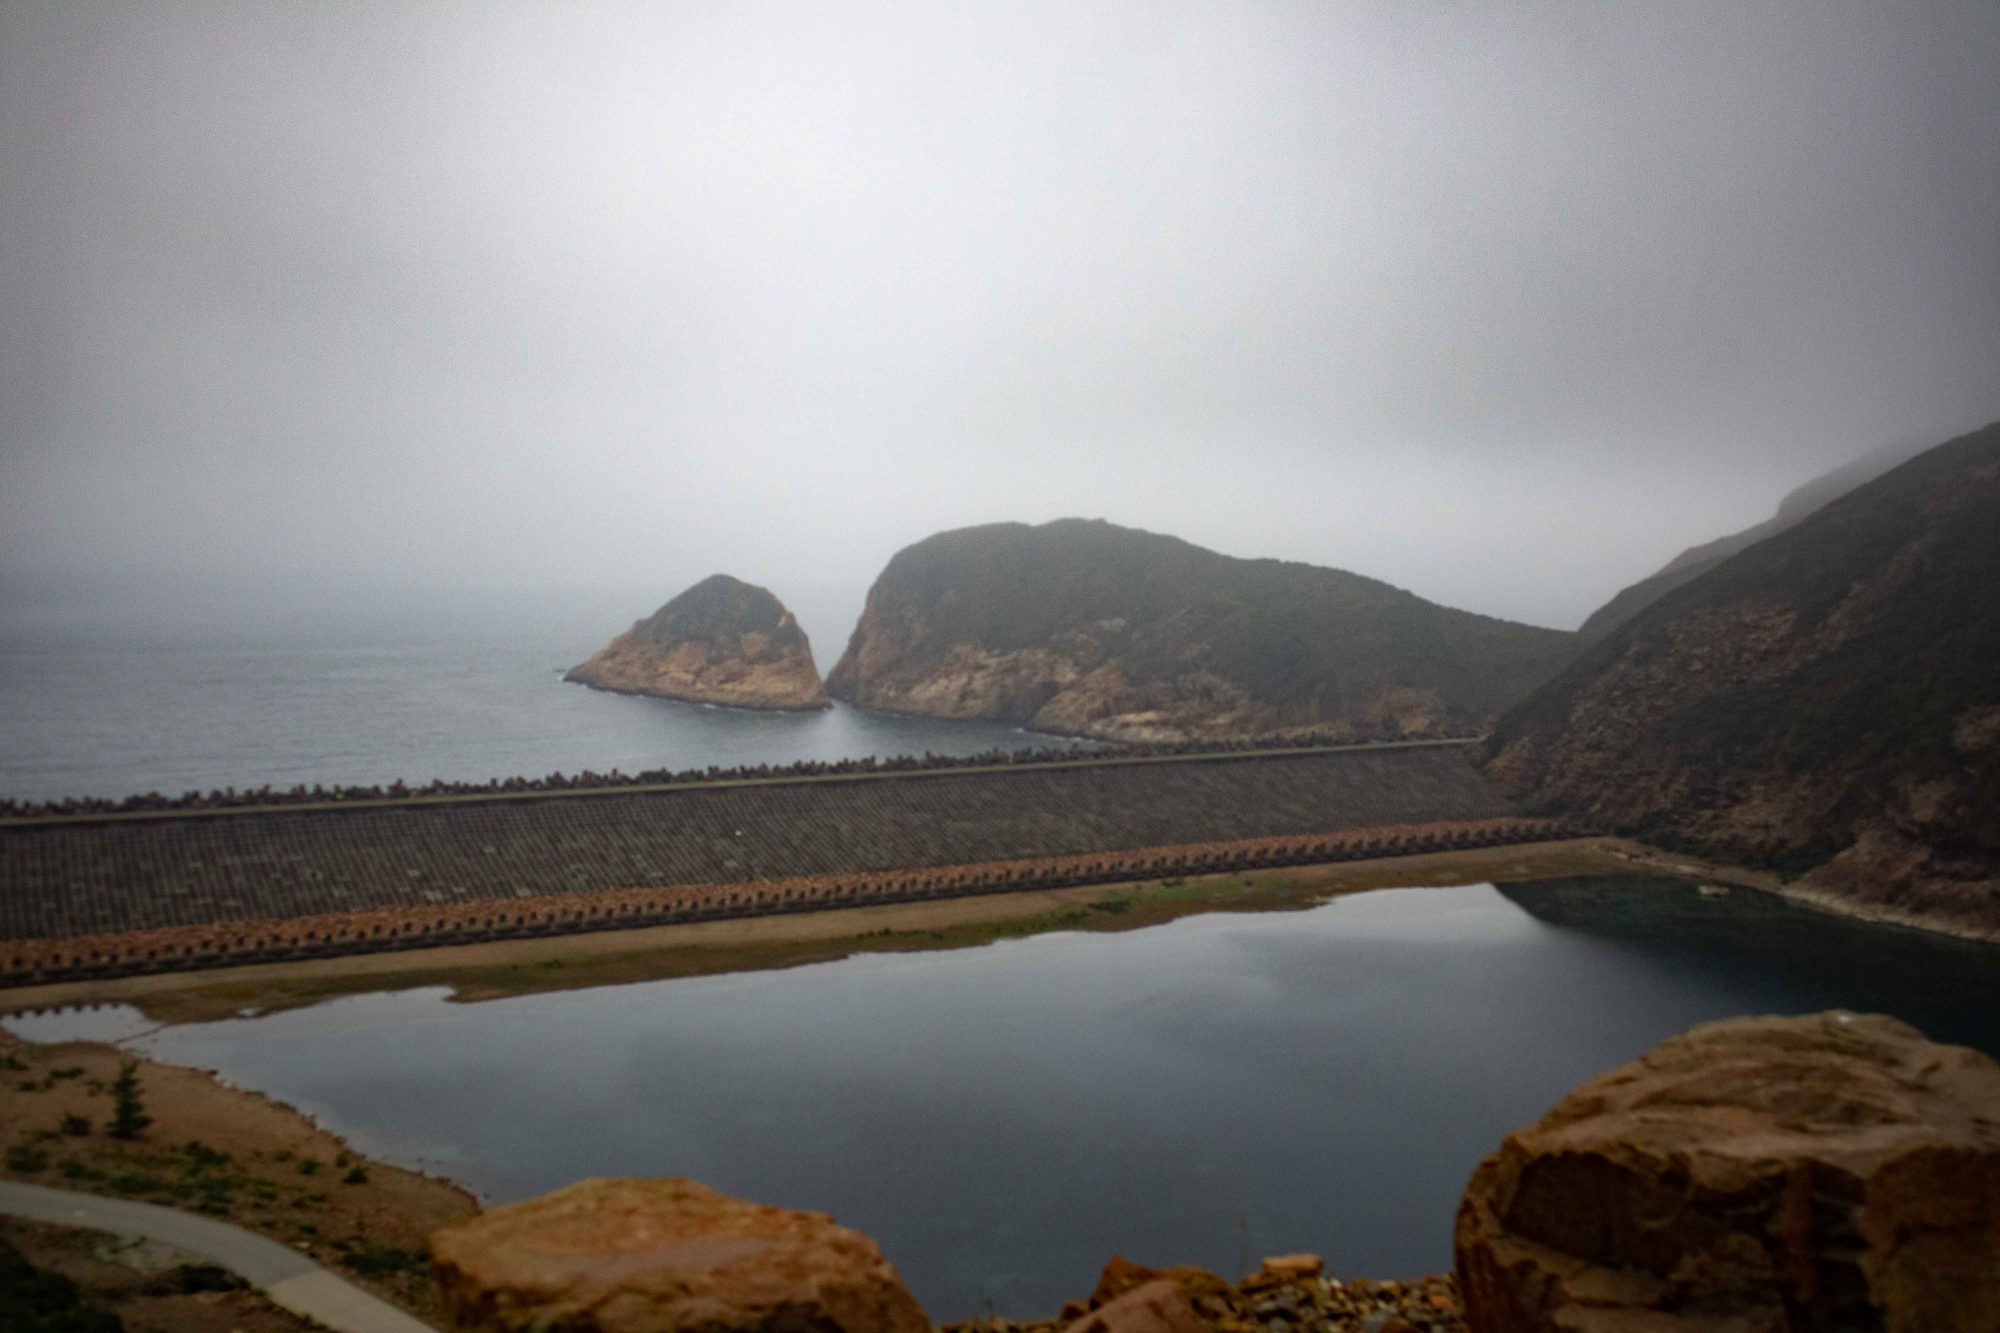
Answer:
(1003, 1119)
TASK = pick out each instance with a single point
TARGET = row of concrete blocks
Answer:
(521, 921)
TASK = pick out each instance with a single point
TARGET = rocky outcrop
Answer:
(1759, 1175)
(1083, 628)
(722, 641)
(653, 1256)
(1290, 1292)
(1825, 704)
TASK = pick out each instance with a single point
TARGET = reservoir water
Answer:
(1003, 1119)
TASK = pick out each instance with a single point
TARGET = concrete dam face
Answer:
(80, 879)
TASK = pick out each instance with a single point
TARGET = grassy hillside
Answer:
(1273, 642)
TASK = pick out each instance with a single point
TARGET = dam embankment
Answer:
(108, 896)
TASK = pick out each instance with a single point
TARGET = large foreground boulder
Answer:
(1760, 1175)
(655, 1256)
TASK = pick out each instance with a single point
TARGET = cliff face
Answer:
(722, 641)
(1084, 628)
(1692, 563)
(1827, 701)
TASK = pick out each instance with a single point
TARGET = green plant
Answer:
(27, 1159)
(380, 1261)
(76, 1126)
(356, 1175)
(128, 1116)
(201, 1157)
(33, 1300)
(308, 1165)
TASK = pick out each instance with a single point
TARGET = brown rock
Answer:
(650, 1256)
(1156, 1307)
(1760, 1175)
(1121, 1275)
(1293, 1267)
(722, 641)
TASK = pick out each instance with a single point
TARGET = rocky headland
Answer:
(1084, 628)
(723, 641)
(1824, 704)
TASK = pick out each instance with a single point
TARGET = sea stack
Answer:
(723, 641)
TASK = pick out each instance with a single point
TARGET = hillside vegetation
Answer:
(1085, 628)
(1826, 702)
(1692, 563)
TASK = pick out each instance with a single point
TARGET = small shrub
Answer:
(356, 1175)
(76, 1126)
(308, 1165)
(381, 1261)
(128, 1117)
(201, 1157)
(34, 1300)
(27, 1159)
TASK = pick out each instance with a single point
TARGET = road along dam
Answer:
(119, 894)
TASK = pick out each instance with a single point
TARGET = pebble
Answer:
(1285, 1295)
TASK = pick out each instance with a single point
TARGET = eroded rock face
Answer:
(722, 641)
(654, 1256)
(1085, 628)
(1760, 1175)
(1821, 703)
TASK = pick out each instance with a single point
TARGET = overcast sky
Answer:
(1504, 303)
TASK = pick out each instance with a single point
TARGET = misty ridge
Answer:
(1500, 307)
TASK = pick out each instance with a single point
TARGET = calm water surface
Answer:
(95, 704)
(1003, 1119)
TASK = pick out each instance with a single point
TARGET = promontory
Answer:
(1081, 627)
(723, 641)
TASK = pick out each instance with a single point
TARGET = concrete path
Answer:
(286, 1276)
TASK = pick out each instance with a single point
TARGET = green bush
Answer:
(33, 1300)
(27, 1159)
(128, 1117)
(380, 1261)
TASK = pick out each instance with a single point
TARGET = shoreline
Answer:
(571, 678)
(1798, 891)
(500, 968)
(218, 1149)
